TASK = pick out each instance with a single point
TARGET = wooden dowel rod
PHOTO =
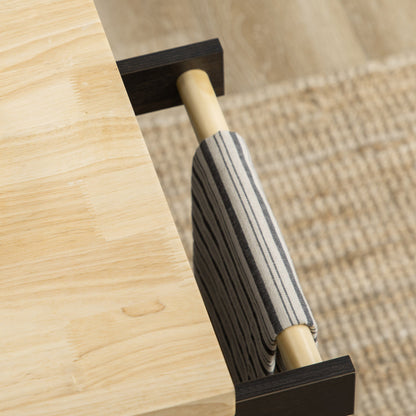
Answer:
(297, 347)
(295, 344)
(201, 103)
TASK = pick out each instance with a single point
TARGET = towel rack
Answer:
(193, 75)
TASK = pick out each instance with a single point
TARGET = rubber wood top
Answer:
(99, 311)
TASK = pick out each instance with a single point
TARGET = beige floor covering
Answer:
(337, 159)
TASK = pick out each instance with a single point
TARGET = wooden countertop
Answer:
(99, 311)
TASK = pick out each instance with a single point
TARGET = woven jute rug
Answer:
(337, 159)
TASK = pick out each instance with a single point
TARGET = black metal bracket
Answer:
(323, 389)
(150, 80)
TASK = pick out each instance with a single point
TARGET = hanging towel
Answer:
(241, 262)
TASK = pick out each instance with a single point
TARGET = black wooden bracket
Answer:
(150, 80)
(323, 389)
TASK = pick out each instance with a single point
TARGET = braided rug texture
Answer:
(336, 156)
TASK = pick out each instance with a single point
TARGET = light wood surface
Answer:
(201, 103)
(99, 311)
(383, 27)
(265, 41)
(297, 347)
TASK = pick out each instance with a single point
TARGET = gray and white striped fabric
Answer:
(241, 262)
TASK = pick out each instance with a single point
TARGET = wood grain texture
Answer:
(383, 27)
(265, 41)
(99, 311)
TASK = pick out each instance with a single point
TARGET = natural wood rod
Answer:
(201, 103)
(296, 344)
(297, 347)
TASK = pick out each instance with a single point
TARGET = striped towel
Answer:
(241, 262)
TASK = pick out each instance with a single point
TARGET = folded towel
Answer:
(241, 262)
